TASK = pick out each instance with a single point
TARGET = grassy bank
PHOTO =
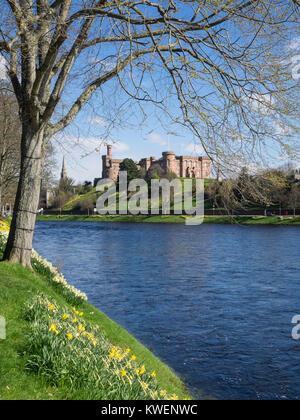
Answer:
(244, 220)
(56, 351)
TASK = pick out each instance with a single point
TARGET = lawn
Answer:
(244, 220)
(18, 286)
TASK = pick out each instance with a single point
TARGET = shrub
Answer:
(61, 199)
(84, 205)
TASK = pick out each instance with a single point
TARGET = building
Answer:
(63, 174)
(182, 166)
(46, 197)
(48, 194)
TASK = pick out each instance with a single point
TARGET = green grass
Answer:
(245, 220)
(93, 195)
(17, 286)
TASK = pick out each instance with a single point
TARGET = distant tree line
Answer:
(268, 189)
(10, 149)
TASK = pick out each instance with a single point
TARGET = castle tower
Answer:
(63, 174)
(108, 150)
(169, 162)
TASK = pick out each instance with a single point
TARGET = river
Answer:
(215, 302)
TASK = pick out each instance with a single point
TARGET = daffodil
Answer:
(53, 328)
(81, 328)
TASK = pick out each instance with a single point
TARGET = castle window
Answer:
(168, 162)
(190, 163)
(185, 163)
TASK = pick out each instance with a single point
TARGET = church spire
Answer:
(63, 174)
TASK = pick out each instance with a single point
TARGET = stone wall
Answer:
(182, 166)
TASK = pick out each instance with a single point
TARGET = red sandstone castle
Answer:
(182, 166)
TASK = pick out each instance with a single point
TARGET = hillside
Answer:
(77, 199)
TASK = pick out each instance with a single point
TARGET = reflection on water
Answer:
(213, 301)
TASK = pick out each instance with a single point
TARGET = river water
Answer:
(215, 302)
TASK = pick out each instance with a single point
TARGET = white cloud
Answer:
(194, 149)
(120, 147)
(83, 154)
(98, 121)
(294, 44)
(263, 104)
(156, 139)
(90, 144)
(281, 129)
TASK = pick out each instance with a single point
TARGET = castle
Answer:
(182, 166)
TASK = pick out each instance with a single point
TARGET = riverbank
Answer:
(101, 359)
(243, 220)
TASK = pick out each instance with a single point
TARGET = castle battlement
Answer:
(182, 166)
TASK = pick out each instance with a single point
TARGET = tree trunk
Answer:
(19, 245)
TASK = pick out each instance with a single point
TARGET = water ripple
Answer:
(215, 302)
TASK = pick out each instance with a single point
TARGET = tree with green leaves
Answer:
(293, 198)
(131, 168)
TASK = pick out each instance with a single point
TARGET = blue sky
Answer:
(131, 135)
(83, 145)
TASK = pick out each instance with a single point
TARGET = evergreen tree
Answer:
(130, 166)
